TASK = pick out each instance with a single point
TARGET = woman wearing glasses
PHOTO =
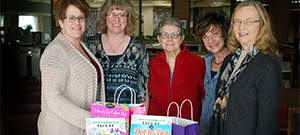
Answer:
(71, 75)
(249, 86)
(175, 74)
(211, 29)
(123, 58)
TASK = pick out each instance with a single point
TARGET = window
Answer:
(2, 28)
(26, 21)
(34, 23)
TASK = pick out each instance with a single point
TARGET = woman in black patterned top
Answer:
(123, 58)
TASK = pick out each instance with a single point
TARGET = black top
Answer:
(213, 73)
(114, 58)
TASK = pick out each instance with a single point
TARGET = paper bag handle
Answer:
(191, 107)
(123, 85)
(130, 89)
(177, 110)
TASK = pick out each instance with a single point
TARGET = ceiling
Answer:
(295, 4)
(98, 3)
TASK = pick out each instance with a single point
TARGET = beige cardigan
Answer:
(69, 84)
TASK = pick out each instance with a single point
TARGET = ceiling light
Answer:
(158, 2)
(218, 3)
(265, 5)
(99, 0)
(295, 1)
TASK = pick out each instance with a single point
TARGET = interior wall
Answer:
(148, 20)
(136, 31)
(280, 19)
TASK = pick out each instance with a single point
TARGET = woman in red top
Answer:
(175, 74)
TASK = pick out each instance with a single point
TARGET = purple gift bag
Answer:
(181, 126)
(185, 127)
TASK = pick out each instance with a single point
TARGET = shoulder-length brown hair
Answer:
(60, 8)
(266, 42)
(125, 5)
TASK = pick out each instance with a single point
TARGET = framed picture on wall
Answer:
(36, 38)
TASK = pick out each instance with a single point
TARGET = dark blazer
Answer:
(254, 97)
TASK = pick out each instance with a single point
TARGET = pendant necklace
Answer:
(216, 62)
(114, 51)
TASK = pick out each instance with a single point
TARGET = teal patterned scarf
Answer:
(218, 118)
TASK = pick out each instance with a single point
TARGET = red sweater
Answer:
(187, 83)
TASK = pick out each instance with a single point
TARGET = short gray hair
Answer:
(170, 21)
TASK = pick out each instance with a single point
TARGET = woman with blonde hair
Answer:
(265, 38)
(249, 86)
(123, 58)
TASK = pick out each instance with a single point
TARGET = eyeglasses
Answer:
(73, 18)
(122, 15)
(246, 22)
(174, 35)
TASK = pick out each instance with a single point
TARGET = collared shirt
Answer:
(209, 100)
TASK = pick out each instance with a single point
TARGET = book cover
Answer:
(105, 126)
(110, 110)
(150, 125)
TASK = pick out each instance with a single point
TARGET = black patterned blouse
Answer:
(132, 69)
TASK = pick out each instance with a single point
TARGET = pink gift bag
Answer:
(134, 108)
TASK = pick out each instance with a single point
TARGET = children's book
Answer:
(150, 125)
(105, 126)
(110, 110)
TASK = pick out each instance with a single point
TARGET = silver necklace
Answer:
(114, 51)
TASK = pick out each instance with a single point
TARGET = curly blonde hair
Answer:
(266, 42)
(125, 5)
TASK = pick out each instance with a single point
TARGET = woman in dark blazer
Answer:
(249, 86)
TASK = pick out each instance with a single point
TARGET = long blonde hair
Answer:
(266, 42)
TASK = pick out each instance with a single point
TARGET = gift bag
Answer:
(134, 108)
(105, 126)
(110, 110)
(150, 125)
(181, 126)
